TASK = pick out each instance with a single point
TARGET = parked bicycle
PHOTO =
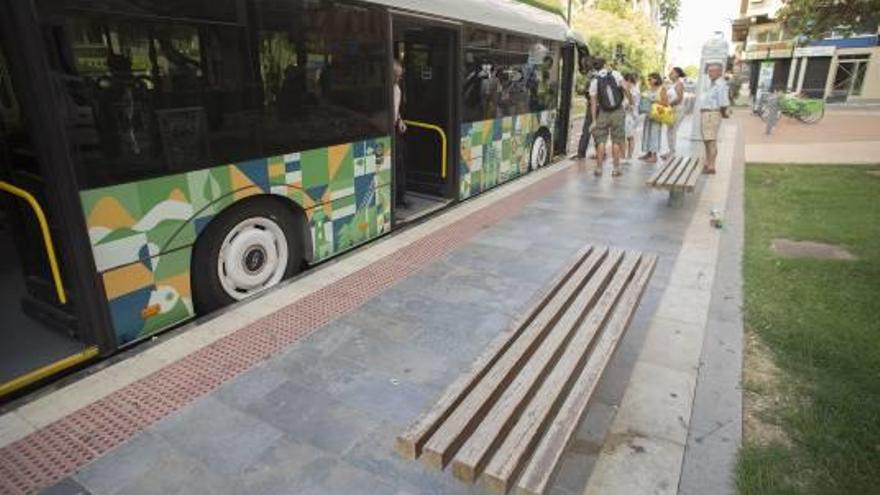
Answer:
(806, 110)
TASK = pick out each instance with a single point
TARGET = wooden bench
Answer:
(678, 175)
(508, 419)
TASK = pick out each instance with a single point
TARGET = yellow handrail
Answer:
(439, 130)
(47, 236)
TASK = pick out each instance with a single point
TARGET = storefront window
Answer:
(850, 75)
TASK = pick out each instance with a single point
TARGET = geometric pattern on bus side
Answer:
(497, 150)
(142, 232)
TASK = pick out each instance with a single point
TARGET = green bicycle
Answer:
(806, 110)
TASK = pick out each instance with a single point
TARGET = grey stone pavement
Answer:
(716, 420)
(322, 416)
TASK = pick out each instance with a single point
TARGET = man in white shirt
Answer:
(714, 100)
(607, 92)
(400, 145)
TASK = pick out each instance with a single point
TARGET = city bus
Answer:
(161, 160)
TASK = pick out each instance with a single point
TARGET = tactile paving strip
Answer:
(51, 453)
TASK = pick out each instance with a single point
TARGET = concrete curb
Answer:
(645, 447)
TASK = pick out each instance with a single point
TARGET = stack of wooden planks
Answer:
(678, 175)
(507, 421)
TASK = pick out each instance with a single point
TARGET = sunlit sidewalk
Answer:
(841, 137)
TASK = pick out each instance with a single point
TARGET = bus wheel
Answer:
(247, 249)
(540, 154)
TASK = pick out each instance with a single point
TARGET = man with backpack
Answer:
(607, 92)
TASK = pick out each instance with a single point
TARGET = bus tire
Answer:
(248, 248)
(539, 154)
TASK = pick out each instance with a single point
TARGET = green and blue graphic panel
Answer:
(497, 150)
(142, 232)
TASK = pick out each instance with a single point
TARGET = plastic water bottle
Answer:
(715, 219)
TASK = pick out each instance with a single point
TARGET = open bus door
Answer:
(560, 135)
(575, 60)
(428, 51)
(44, 326)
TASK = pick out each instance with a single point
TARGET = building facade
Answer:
(835, 68)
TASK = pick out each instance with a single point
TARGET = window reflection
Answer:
(148, 96)
(508, 75)
(323, 68)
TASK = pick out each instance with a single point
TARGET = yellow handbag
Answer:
(663, 114)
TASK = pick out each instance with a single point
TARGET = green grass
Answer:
(820, 319)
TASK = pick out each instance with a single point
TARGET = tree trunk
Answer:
(665, 40)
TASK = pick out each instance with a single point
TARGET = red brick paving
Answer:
(835, 127)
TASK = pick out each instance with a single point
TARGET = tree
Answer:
(669, 10)
(814, 19)
(692, 71)
(618, 7)
(629, 34)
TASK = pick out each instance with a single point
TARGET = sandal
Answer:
(597, 172)
(616, 173)
(708, 171)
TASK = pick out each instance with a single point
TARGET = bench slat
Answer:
(540, 468)
(474, 454)
(409, 443)
(522, 438)
(653, 181)
(449, 436)
(691, 182)
(683, 169)
(685, 175)
(673, 172)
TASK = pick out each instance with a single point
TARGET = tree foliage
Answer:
(814, 19)
(616, 7)
(627, 33)
(669, 10)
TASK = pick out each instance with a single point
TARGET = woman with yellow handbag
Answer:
(652, 133)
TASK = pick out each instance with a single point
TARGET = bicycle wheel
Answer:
(811, 115)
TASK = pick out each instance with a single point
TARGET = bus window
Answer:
(148, 97)
(507, 75)
(10, 118)
(145, 98)
(323, 68)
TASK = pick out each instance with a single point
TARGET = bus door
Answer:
(566, 99)
(40, 332)
(428, 55)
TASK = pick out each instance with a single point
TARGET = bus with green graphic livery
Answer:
(162, 160)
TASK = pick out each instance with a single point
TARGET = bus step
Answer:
(50, 315)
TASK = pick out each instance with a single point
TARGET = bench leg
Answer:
(676, 198)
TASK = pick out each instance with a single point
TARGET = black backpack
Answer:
(609, 92)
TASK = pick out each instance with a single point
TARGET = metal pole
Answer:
(568, 19)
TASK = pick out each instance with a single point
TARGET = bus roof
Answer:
(510, 15)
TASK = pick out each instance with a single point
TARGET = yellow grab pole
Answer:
(47, 236)
(442, 133)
